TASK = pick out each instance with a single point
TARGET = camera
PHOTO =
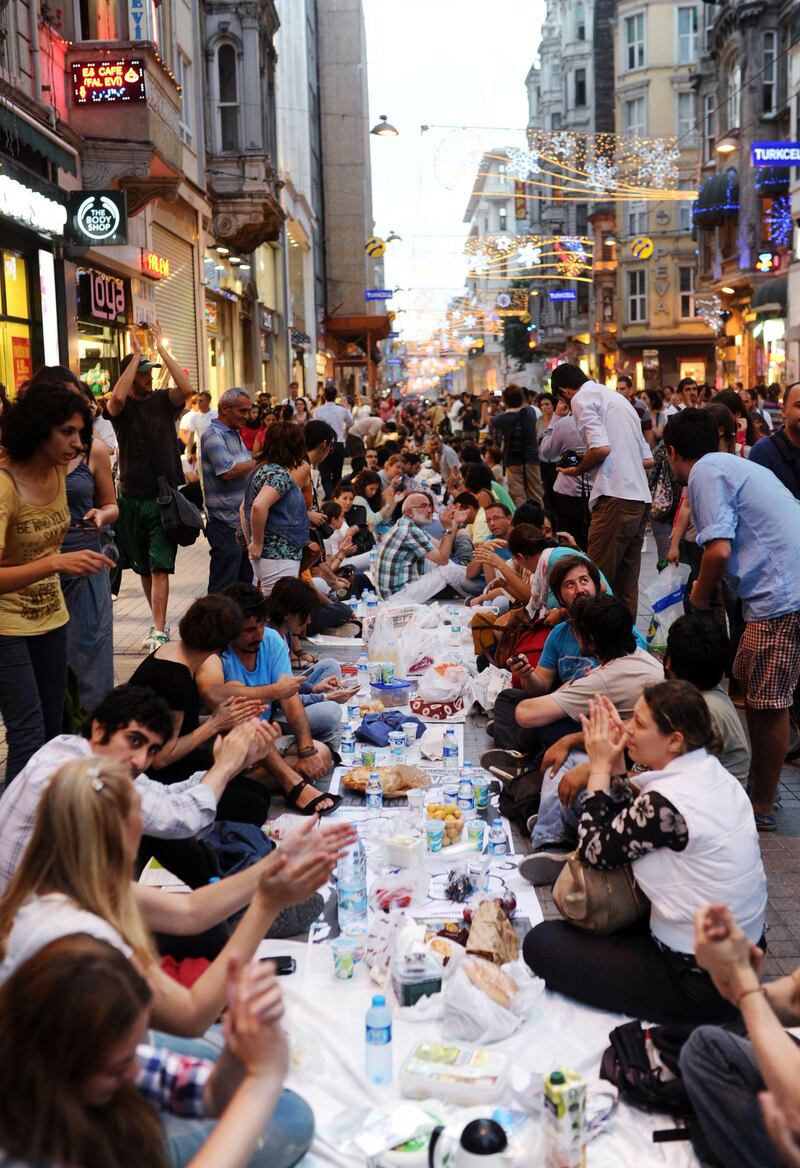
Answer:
(324, 531)
(569, 458)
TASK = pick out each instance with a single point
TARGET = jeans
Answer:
(434, 580)
(324, 718)
(90, 635)
(289, 1133)
(722, 1077)
(616, 535)
(33, 681)
(555, 823)
(229, 560)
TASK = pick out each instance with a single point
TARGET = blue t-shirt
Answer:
(503, 553)
(562, 653)
(272, 662)
(734, 499)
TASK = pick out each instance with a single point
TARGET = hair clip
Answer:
(94, 775)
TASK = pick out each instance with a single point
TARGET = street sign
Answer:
(378, 294)
(390, 335)
(563, 294)
(775, 153)
(642, 247)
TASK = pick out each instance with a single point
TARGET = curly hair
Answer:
(284, 445)
(25, 425)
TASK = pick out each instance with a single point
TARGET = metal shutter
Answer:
(175, 299)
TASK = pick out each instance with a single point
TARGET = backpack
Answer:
(643, 1063)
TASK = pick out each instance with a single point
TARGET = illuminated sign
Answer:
(767, 261)
(107, 82)
(565, 294)
(155, 265)
(97, 218)
(31, 208)
(102, 297)
(775, 153)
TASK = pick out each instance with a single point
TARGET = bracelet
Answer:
(307, 753)
(753, 990)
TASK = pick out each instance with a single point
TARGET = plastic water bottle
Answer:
(362, 668)
(374, 792)
(351, 886)
(347, 742)
(455, 622)
(378, 1052)
(372, 603)
(450, 750)
(466, 791)
(498, 844)
(373, 559)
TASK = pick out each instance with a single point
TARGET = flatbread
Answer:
(395, 780)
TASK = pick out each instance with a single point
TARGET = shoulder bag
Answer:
(181, 520)
(598, 900)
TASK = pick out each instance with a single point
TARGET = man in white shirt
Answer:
(195, 423)
(340, 419)
(620, 498)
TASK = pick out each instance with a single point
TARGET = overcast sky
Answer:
(441, 63)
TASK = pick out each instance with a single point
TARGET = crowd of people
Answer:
(529, 508)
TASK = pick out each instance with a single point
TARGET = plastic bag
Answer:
(446, 683)
(665, 597)
(420, 644)
(489, 684)
(470, 1015)
(383, 644)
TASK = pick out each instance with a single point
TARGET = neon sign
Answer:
(155, 265)
(107, 82)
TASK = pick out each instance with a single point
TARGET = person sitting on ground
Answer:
(480, 481)
(255, 665)
(498, 521)
(292, 603)
(378, 502)
(355, 516)
(698, 651)
(743, 1089)
(91, 812)
(688, 834)
(526, 545)
(462, 552)
(411, 567)
(74, 1047)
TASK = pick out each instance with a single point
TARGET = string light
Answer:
(779, 222)
(710, 310)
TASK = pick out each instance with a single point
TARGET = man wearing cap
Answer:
(144, 420)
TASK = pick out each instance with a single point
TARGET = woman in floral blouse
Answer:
(686, 828)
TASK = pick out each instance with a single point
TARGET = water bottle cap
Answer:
(497, 823)
(379, 1000)
(213, 880)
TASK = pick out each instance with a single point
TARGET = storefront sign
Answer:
(21, 358)
(211, 314)
(30, 208)
(520, 199)
(267, 320)
(155, 265)
(107, 82)
(563, 294)
(775, 153)
(141, 20)
(97, 218)
(102, 297)
(378, 294)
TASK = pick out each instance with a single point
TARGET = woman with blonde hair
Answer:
(76, 877)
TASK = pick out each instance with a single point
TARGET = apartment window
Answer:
(633, 47)
(228, 98)
(581, 220)
(685, 216)
(733, 94)
(769, 73)
(637, 296)
(637, 218)
(580, 22)
(687, 34)
(709, 127)
(686, 287)
(502, 215)
(555, 121)
(634, 119)
(709, 12)
(686, 118)
(184, 78)
(580, 88)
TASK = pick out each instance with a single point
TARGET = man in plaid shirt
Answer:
(412, 567)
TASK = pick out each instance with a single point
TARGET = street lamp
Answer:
(727, 145)
(384, 128)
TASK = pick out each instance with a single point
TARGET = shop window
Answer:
(687, 34)
(686, 287)
(637, 296)
(634, 41)
(16, 361)
(228, 104)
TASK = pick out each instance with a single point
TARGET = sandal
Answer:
(311, 807)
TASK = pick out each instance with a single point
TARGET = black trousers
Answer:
(330, 469)
(573, 516)
(509, 735)
(625, 973)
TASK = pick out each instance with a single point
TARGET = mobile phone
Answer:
(283, 965)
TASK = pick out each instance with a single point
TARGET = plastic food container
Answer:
(395, 693)
(415, 978)
(470, 1076)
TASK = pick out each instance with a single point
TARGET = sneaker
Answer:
(542, 869)
(507, 765)
(156, 640)
(766, 822)
(530, 822)
(148, 638)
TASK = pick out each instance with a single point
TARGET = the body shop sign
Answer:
(108, 82)
(102, 297)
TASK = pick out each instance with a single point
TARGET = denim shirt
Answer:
(288, 515)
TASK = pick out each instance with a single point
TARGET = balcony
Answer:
(245, 201)
(125, 104)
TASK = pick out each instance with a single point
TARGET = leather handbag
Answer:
(181, 520)
(598, 900)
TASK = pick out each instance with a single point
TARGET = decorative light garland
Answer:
(779, 221)
(710, 309)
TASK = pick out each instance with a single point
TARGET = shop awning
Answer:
(772, 180)
(771, 296)
(717, 198)
(14, 125)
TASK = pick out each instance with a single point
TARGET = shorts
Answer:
(767, 661)
(144, 545)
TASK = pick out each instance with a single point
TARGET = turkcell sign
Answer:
(563, 294)
(378, 294)
(775, 153)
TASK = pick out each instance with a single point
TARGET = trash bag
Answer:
(665, 597)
